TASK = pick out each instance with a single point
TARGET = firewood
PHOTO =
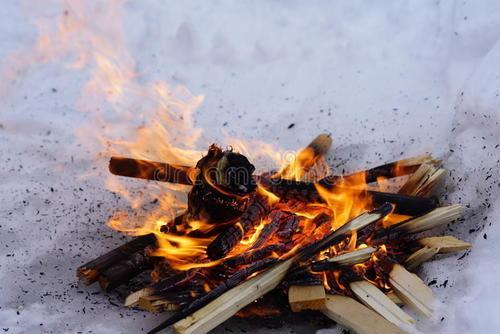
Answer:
(307, 192)
(253, 255)
(355, 316)
(307, 158)
(422, 182)
(209, 315)
(435, 218)
(346, 259)
(420, 256)
(412, 291)
(157, 304)
(372, 297)
(219, 292)
(306, 297)
(388, 170)
(133, 298)
(445, 244)
(394, 297)
(226, 240)
(91, 271)
(152, 170)
(276, 218)
(125, 270)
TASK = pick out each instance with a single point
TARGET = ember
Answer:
(323, 239)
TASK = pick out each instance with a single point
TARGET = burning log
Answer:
(423, 181)
(222, 188)
(254, 255)
(152, 170)
(307, 158)
(125, 270)
(208, 316)
(347, 259)
(388, 170)
(412, 291)
(306, 297)
(276, 217)
(91, 271)
(218, 291)
(307, 192)
(226, 240)
(353, 315)
(372, 297)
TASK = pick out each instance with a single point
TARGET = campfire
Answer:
(344, 245)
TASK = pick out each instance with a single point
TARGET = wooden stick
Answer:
(133, 298)
(306, 297)
(227, 304)
(388, 170)
(420, 256)
(394, 297)
(372, 297)
(152, 170)
(349, 313)
(445, 244)
(307, 158)
(412, 291)
(422, 182)
(307, 192)
(435, 218)
(91, 271)
(346, 259)
(225, 241)
(157, 304)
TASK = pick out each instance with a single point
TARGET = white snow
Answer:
(387, 79)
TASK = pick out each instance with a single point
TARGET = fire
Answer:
(157, 120)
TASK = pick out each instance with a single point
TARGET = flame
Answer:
(347, 199)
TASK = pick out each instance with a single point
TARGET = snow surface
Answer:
(387, 79)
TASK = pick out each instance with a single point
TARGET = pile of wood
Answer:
(359, 275)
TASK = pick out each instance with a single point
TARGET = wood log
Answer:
(412, 291)
(388, 170)
(306, 297)
(435, 218)
(91, 271)
(225, 241)
(157, 304)
(224, 306)
(353, 315)
(254, 255)
(125, 270)
(152, 170)
(276, 218)
(302, 191)
(445, 244)
(394, 297)
(420, 256)
(307, 158)
(346, 259)
(422, 182)
(132, 299)
(372, 297)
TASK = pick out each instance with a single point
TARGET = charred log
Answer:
(125, 270)
(152, 170)
(307, 192)
(225, 241)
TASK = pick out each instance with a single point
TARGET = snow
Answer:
(386, 79)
